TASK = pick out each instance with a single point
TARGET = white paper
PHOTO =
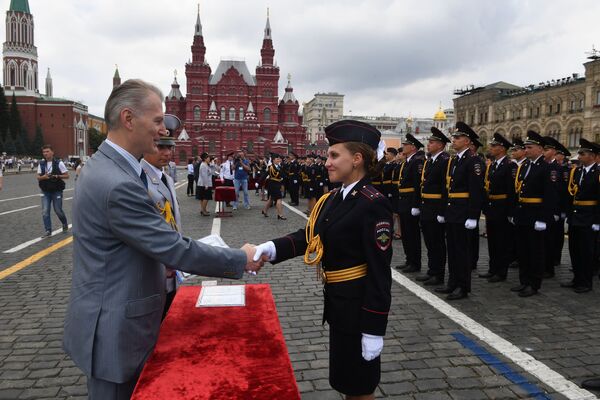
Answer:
(222, 296)
(211, 240)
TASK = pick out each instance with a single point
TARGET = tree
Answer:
(4, 117)
(96, 138)
(9, 146)
(38, 142)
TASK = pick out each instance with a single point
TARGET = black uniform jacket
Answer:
(501, 190)
(561, 185)
(293, 173)
(585, 214)
(356, 231)
(433, 185)
(388, 175)
(540, 183)
(466, 176)
(410, 184)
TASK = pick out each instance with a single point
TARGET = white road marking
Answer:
(33, 241)
(529, 364)
(25, 197)
(26, 208)
(294, 210)
(216, 225)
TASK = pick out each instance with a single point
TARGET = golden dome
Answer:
(439, 115)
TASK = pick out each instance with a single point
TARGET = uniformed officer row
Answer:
(525, 202)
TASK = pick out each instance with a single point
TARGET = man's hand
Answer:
(371, 346)
(415, 212)
(441, 219)
(595, 227)
(251, 265)
(471, 224)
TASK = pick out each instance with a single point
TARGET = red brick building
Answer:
(232, 109)
(63, 122)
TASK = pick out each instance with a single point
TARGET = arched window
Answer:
(232, 114)
(267, 114)
(13, 30)
(13, 75)
(211, 146)
(574, 136)
(250, 145)
(23, 31)
(182, 156)
(222, 113)
(197, 113)
(241, 113)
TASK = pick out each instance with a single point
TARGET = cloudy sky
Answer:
(386, 57)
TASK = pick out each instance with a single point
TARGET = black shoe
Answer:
(514, 264)
(567, 284)
(47, 234)
(592, 384)
(264, 214)
(402, 266)
(519, 288)
(412, 268)
(281, 217)
(582, 289)
(434, 281)
(444, 290)
(457, 294)
(486, 275)
(65, 228)
(528, 292)
(422, 278)
(548, 275)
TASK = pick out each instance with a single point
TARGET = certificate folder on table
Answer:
(222, 296)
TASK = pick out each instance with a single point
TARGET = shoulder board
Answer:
(443, 156)
(370, 192)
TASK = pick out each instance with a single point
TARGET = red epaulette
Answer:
(370, 192)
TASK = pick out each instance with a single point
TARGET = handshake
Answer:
(256, 256)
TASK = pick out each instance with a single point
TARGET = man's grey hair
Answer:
(132, 94)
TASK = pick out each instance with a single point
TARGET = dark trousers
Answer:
(458, 242)
(228, 182)
(294, 188)
(549, 243)
(99, 389)
(511, 244)
(582, 240)
(435, 241)
(190, 185)
(475, 247)
(531, 249)
(411, 238)
(557, 231)
(498, 234)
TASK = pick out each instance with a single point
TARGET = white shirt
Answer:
(190, 168)
(434, 157)
(227, 170)
(61, 167)
(499, 161)
(135, 164)
(347, 189)
(459, 155)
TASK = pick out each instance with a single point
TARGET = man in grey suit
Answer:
(162, 191)
(121, 244)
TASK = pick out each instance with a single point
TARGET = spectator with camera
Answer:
(241, 166)
(51, 174)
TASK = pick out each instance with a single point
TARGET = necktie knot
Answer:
(144, 178)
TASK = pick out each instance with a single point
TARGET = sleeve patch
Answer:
(553, 175)
(383, 235)
(477, 168)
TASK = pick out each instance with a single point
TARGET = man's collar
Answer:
(498, 161)
(347, 189)
(460, 154)
(135, 164)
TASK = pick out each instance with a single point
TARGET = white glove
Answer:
(415, 212)
(320, 183)
(511, 220)
(441, 219)
(471, 224)
(596, 227)
(295, 181)
(371, 346)
(539, 226)
(268, 249)
(556, 218)
(256, 185)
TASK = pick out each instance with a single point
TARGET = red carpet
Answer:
(219, 352)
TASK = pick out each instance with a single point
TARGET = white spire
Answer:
(48, 84)
(278, 137)
(250, 107)
(183, 135)
(268, 27)
(213, 106)
(198, 31)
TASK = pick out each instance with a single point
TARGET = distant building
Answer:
(565, 108)
(324, 109)
(63, 121)
(232, 109)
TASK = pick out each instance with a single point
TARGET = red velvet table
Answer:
(219, 353)
(223, 195)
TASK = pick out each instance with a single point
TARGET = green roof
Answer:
(19, 5)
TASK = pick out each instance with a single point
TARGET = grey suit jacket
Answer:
(118, 283)
(158, 191)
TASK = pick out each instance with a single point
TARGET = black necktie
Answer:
(583, 171)
(163, 178)
(144, 178)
